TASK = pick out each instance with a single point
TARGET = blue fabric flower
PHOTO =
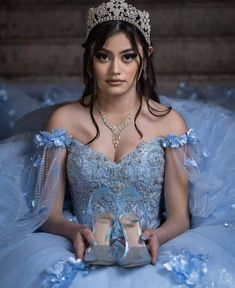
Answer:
(63, 272)
(187, 268)
(56, 138)
(192, 137)
(172, 141)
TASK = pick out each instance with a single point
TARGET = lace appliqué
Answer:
(133, 183)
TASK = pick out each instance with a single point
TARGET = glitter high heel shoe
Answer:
(101, 253)
(136, 252)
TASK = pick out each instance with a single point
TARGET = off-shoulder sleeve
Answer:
(57, 138)
(189, 149)
(206, 189)
(172, 141)
(29, 171)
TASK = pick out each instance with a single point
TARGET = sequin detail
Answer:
(132, 185)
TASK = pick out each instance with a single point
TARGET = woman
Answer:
(120, 151)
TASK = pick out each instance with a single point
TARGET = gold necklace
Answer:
(116, 129)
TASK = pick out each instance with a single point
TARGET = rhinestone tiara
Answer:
(119, 10)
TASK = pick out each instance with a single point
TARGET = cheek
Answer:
(133, 71)
(99, 71)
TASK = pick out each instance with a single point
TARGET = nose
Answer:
(115, 67)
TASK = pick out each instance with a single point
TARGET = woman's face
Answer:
(116, 66)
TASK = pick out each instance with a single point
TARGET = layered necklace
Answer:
(116, 129)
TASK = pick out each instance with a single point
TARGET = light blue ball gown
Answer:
(204, 256)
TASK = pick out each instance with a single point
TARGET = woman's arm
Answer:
(59, 225)
(176, 198)
(175, 195)
(56, 222)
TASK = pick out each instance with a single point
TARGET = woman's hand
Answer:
(81, 239)
(150, 236)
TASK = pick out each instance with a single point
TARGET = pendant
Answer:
(116, 130)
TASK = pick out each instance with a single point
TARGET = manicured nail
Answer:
(143, 237)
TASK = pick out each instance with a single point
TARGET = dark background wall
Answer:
(40, 40)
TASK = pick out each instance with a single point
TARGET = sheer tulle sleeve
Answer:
(29, 171)
(209, 197)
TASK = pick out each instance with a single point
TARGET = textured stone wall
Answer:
(41, 40)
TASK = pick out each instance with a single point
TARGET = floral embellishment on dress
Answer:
(187, 268)
(56, 138)
(63, 273)
(192, 137)
(172, 141)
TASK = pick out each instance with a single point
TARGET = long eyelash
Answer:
(98, 55)
(131, 55)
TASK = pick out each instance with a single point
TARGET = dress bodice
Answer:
(134, 184)
(98, 185)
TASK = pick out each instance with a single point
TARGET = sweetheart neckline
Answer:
(123, 157)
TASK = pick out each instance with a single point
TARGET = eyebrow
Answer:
(122, 52)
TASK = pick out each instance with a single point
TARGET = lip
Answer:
(115, 82)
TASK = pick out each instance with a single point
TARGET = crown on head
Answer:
(119, 10)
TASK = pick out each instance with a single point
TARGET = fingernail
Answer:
(78, 260)
(143, 237)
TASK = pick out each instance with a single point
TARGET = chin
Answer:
(118, 91)
(114, 91)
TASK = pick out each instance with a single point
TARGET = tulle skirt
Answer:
(25, 264)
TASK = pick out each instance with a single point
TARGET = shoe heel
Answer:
(100, 253)
(136, 252)
(102, 229)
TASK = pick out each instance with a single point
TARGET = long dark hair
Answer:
(146, 88)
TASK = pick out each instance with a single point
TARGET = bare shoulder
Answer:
(65, 116)
(158, 106)
(170, 121)
(175, 123)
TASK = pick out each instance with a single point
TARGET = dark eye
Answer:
(129, 57)
(101, 56)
